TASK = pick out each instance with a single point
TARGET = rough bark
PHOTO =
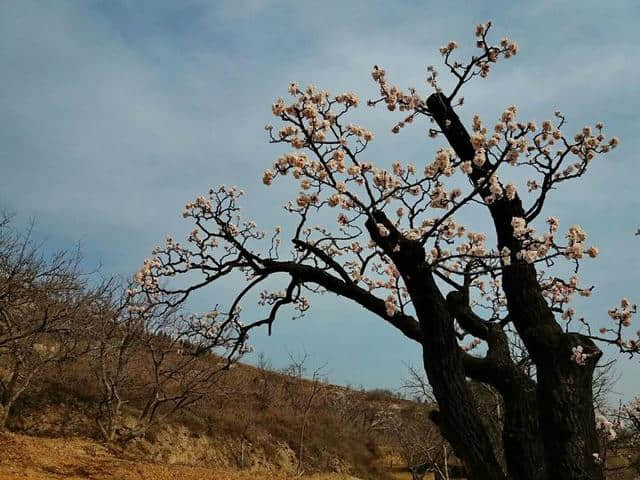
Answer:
(521, 435)
(461, 424)
(569, 421)
(443, 363)
(563, 390)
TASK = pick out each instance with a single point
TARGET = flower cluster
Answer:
(541, 247)
(311, 119)
(578, 355)
(560, 292)
(390, 305)
(623, 314)
(605, 426)
(632, 410)
(622, 317)
(145, 276)
(393, 96)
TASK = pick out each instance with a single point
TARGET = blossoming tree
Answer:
(397, 250)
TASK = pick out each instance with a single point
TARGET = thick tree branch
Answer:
(520, 282)
(306, 273)
(458, 305)
(324, 257)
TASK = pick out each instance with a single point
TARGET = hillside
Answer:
(33, 458)
(248, 426)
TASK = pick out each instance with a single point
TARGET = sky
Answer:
(114, 114)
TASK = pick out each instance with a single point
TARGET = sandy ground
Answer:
(31, 458)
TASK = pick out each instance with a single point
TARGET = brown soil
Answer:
(36, 458)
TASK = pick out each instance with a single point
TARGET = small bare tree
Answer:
(605, 378)
(114, 339)
(44, 303)
(181, 357)
(417, 386)
(422, 448)
(354, 408)
(263, 382)
(417, 440)
(307, 390)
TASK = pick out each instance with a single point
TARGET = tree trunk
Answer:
(415, 475)
(568, 421)
(564, 388)
(564, 408)
(460, 422)
(9, 396)
(521, 435)
(522, 442)
(4, 415)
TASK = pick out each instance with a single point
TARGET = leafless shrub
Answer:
(45, 302)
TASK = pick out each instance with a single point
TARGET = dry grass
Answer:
(234, 418)
(29, 458)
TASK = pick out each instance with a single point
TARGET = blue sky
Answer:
(116, 113)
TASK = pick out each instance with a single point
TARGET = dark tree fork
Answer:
(557, 439)
(434, 279)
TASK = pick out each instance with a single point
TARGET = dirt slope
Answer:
(32, 458)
